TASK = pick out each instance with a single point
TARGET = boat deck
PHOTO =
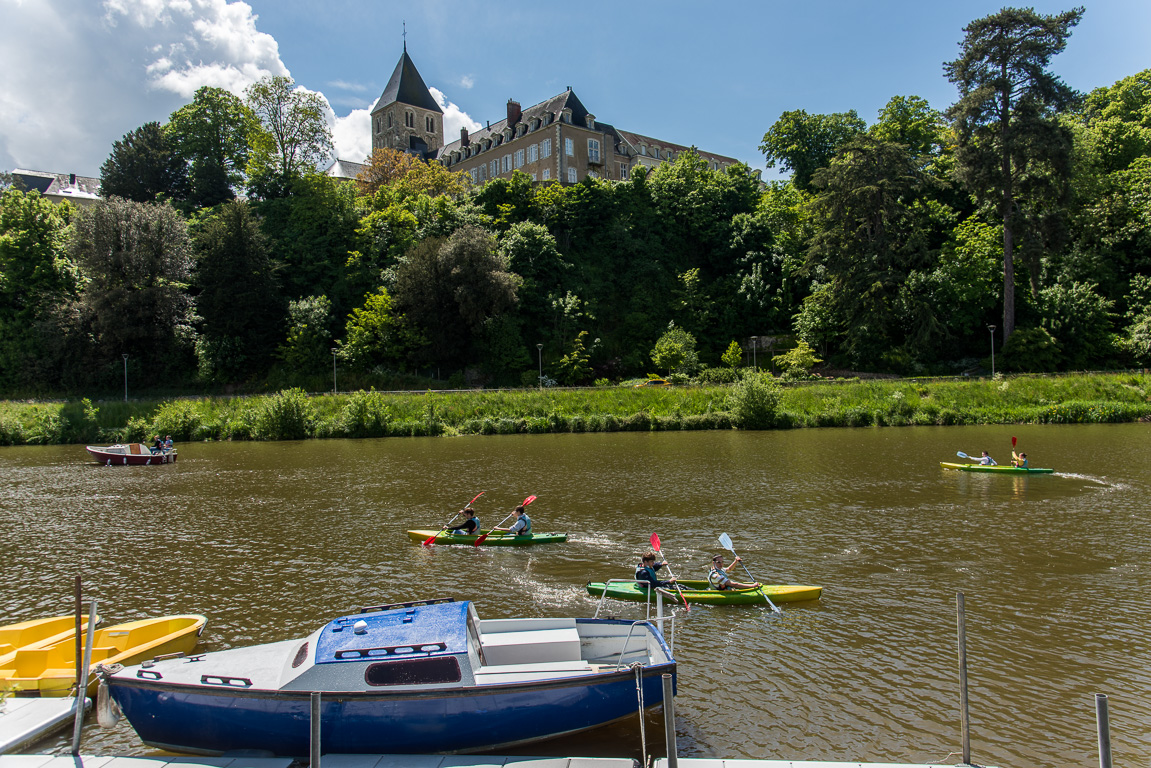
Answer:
(417, 761)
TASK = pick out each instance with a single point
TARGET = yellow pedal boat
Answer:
(51, 670)
(38, 633)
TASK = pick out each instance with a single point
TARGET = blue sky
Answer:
(714, 78)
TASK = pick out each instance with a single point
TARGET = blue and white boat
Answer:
(421, 677)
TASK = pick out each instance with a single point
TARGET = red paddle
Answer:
(481, 539)
(430, 539)
(655, 545)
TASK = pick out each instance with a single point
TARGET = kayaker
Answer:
(1019, 460)
(987, 460)
(471, 524)
(645, 572)
(718, 579)
(522, 525)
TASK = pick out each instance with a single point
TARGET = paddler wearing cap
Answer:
(718, 579)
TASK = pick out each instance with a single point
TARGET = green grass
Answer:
(1093, 398)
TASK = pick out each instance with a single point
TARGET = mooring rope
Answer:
(638, 667)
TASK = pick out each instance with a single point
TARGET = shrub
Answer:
(365, 414)
(717, 376)
(287, 415)
(1030, 349)
(178, 418)
(754, 400)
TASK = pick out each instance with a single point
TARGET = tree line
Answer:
(219, 257)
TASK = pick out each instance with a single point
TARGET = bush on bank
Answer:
(755, 402)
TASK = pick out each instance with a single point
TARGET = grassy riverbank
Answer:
(756, 403)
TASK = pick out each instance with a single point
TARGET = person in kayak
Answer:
(522, 525)
(718, 577)
(1019, 460)
(645, 572)
(470, 525)
(986, 460)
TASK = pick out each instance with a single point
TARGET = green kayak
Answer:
(996, 469)
(699, 591)
(497, 539)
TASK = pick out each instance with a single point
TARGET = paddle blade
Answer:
(473, 501)
(725, 542)
(528, 500)
(962, 455)
(428, 541)
(654, 541)
(481, 539)
(1013, 441)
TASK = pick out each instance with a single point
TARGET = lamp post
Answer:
(991, 329)
(540, 349)
(125, 355)
(754, 361)
(335, 390)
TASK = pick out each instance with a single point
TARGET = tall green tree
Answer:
(213, 134)
(144, 166)
(294, 134)
(1005, 116)
(803, 143)
(137, 259)
(238, 298)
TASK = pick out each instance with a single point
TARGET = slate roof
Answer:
(635, 139)
(407, 87)
(555, 105)
(64, 185)
(345, 169)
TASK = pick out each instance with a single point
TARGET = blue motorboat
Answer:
(420, 677)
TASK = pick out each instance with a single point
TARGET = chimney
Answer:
(72, 179)
(464, 140)
(514, 112)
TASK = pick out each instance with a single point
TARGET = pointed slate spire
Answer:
(407, 87)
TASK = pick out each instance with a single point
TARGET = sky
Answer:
(79, 74)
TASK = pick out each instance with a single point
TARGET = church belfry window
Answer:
(409, 120)
(429, 124)
(389, 119)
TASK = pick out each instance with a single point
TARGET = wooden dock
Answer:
(23, 721)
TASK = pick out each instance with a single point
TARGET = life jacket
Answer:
(527, 525)
(470, 525)
(646, 575)
(717, 578)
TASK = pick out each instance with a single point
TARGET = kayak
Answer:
(51, 670)
(699, 591)
(996, 469)
(497, 539)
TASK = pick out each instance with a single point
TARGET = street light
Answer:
(540, 349)
(125, 377)
(991, 328)
(754, 362)
(335, 391)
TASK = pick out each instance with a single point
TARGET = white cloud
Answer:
(344, 85)
(352, 135)
(467, 81)
(454, 117)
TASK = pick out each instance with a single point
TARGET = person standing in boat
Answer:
(522, 525)
(718, 577)
(645, 572)
(470, 525)
(986, 460)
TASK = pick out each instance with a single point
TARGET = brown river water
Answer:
(271, 540)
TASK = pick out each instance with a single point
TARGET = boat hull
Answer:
(494, 540)
(996, 469)
(199, 720)
(121, 455)
(699, 592)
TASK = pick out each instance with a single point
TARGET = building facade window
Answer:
(494, 168)
(572, 175)
(547, 173)
(409, 120)
(430, 124)
(533, 177)
(546, 148)
(592, 150)
(519, 158)
(592, 175)
(507, 163)
(569, 147)
(533, 153)
(389, 119)
(623, 170)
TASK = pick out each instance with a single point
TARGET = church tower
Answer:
(407, 117)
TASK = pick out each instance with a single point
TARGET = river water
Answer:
(270, 540)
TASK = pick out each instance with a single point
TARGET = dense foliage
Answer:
(232, 264)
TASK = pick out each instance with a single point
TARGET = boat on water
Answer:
(699, 591)
(996, 469)
(38, 633)
(419, 677)
(50, 670)
(130, 453)
(494, 538)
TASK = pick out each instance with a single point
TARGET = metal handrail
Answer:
(623, 650)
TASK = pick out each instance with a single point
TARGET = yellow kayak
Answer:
(51, 670)
(38, 633)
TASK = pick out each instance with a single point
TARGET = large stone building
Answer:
(555, 140)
